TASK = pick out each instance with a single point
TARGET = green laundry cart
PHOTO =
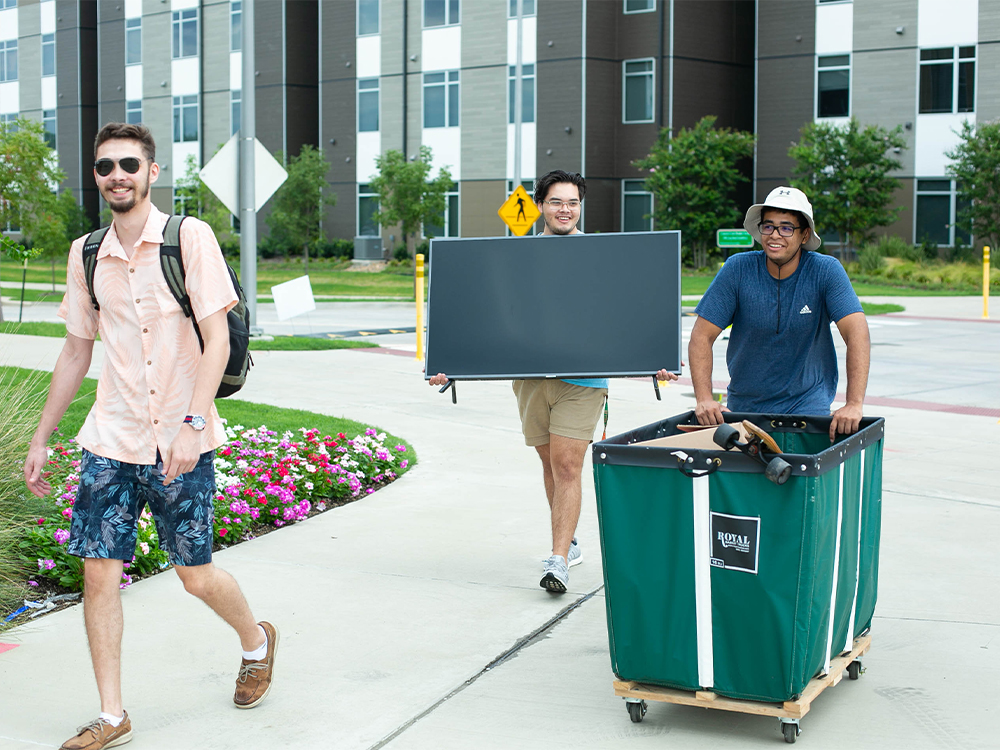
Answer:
(730, 587)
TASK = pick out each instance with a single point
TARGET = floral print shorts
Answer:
(113, 493)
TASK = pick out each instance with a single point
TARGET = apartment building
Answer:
(923, 65)
(599, 79)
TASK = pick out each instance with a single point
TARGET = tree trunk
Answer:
(53, 272)
(305, 258)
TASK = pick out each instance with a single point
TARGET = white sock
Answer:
(259, 653)
(113, 720)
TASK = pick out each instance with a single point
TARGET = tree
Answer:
(405, 194)
(196, 199)
(975, 164)
(29, 173)
(692, 177)
(297, 216)
(845, 172)
(74, 223)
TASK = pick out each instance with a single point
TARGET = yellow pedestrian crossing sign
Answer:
(519, 212)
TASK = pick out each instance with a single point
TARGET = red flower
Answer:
(41, 521)
(222, 532)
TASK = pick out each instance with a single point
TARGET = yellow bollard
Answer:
(420, 305)
(986, 281)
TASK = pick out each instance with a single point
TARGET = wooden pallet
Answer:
(795, 709)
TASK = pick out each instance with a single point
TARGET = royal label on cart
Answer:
(734, 542)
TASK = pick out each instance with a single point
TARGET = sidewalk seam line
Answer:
(520, 644)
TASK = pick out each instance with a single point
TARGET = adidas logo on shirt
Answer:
(805, 310)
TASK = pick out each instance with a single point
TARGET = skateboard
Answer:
(759, 445)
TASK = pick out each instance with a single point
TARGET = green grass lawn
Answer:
(329, 278)
(874, 309)
(303, 344)
(235, 411)
(56, 330)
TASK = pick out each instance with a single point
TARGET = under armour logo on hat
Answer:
(784, 192)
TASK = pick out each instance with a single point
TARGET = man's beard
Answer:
(129, 203)
(558, 229)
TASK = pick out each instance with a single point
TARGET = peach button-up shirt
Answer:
(151, 351)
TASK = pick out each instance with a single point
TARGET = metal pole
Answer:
(419, 279)
(518, 96)
(986, 282)
(248, 136)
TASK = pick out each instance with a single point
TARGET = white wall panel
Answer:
(935, 135)
(834, 28)
(446, 145)
(529, 36)
(529, 139)
(50, 98)
(368, 53)
(8, 24)
(441, 49)
(133, 8)
(47, 17)
(946, 23)
(183, 4)
(369, 146)
(179, 155)
(185, 76)
(133, 82)
(10, 97)
(235, 71)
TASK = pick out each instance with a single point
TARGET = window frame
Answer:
(849, 67)
(956, 61)
(365, 194)
(235, 12)
(135, 28)
(378, 18)
(512, 9)
(179, 19)
(651, 74)
(49, 43)
(511, 81)
(178, 109)
(627, 12)
(446, 84)
(235, 119)
(448, 21)
(377, 91)
(626, 192)
(8, 51)
(455, 192)
(953, 195)
(51, 136)
(130, 110)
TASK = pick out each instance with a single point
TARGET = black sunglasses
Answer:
(130, 164)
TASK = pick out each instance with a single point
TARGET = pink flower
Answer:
(32, 583)
(223, 532)
(61, 536)
(45, 564)
(41, 521)
(144, 547)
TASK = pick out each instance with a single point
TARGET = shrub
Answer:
(336, 249)
(870, 259)
(400, 254)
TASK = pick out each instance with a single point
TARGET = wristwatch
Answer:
(196, 421)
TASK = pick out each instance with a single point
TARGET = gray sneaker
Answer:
(556, 577)
(575, 556)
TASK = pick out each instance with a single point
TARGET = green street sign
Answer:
(726, 238)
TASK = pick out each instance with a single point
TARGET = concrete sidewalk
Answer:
(393, 609)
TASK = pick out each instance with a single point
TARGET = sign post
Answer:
(519, 212)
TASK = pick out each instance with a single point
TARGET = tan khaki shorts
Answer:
(553, 407)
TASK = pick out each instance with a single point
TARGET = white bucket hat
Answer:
(788, 199)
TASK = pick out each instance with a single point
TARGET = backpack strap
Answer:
(173, 269)
(90, 248)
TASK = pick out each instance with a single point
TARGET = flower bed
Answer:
(263, 481)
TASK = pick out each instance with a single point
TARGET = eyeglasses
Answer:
(559, 204)
(129, 164)
(785, 230)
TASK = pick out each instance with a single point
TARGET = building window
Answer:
(833, 86)
(185, 33)
(938, 207)
(441, 97)
(945, 86)
(235, 103)
(367, 105)
(185, 118)
(449, 222)
(640, 6)
(367, 206)
(48, 54)
(637, 207)
(527, 8)
(637, 90)
(4, 4)
(367, 17)
(133, 41)
(133, 111)
(235, 26)
(9, 121)
(49, 124)
(8, 60)
(440, 13)
(527, 93)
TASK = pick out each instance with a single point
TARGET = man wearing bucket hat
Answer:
(780, 302)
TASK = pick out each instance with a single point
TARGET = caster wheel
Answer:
(778, 470)
(725, 436)
(636, 711)
(854, 670)
(791, 732)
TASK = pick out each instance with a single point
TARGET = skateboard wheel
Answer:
(778, 470)
(726, 436)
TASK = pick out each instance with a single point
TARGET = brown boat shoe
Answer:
(99, 734)
(254, 680)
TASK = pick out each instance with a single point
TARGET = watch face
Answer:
(197, 422)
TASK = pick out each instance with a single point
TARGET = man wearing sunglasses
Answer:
(780, 302)
(558, 417)
(151, 436)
